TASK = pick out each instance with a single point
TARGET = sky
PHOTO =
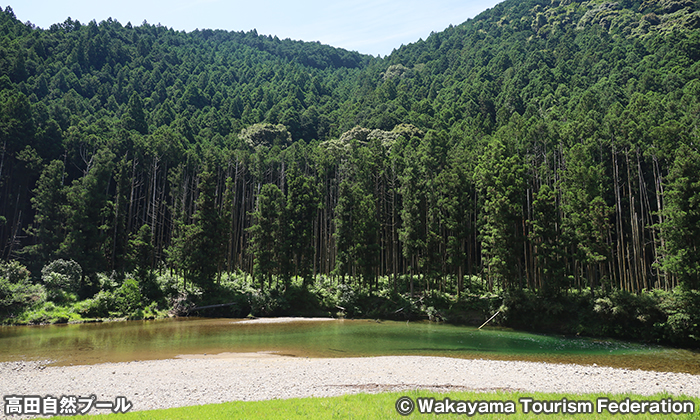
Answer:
(374, 27)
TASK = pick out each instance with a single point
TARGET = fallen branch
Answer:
(212, 306)
(488, 320)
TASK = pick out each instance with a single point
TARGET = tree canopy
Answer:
(541, 145)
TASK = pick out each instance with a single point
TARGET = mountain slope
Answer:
(532, 56)
(541, 145)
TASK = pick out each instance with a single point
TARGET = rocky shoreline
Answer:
(206, 379)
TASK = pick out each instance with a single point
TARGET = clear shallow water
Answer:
(161, 339)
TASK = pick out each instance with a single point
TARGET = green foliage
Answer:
(546, 146)
(48, 202)
(100, 306)
(62, 280)
(355, 214)
(202, 244)
(88, 205)
(681, 227)
(302, 205)
(135, 118)
(266, 135)
(682, 326)
(545, 236)
(266, 303)
(500, 178)
(586, 215)
(346, 299)
(268, 234)
(16, 291)
(125, 301)
(168, 285)
(655, 316)
(142, 256)
(128, 299)
(48, 313)
(628, 315)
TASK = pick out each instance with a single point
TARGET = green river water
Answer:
(161, 339)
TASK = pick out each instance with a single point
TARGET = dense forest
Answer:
(543, 155)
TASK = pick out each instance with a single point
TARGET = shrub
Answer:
(169, 285)
(127, 298)
(62, 279)
(14, 272)
(99, 306)
(266, 303)
(150, 288)
(17, 293)
(347, 300)
(108, 282)
(682, 326)
(48, 313)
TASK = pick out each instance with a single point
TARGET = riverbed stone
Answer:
(188, 381)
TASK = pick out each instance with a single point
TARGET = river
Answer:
(167, 338)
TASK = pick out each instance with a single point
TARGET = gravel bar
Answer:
(205, 379)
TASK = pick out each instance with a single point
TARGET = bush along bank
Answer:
(658, 316)
(663, 317)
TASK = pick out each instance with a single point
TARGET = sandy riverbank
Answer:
(204, 379)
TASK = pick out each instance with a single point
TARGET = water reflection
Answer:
(160, 339)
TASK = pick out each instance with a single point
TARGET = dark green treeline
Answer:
(541, 145)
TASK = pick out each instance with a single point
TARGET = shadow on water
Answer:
(163, 339)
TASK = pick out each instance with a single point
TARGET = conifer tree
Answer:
(302, 204)
(49, 202)
(585, 224)
(681, 226)
(89, 212)
(204, 240)
(544, 233)
(135, 118)
(412, 231)
(500, 179)
(142, 255)
(267, 233)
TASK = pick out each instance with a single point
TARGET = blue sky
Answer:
(370, 27)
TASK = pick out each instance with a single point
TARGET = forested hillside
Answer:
(539, 148)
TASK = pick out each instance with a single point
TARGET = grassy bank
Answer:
(382, 406)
